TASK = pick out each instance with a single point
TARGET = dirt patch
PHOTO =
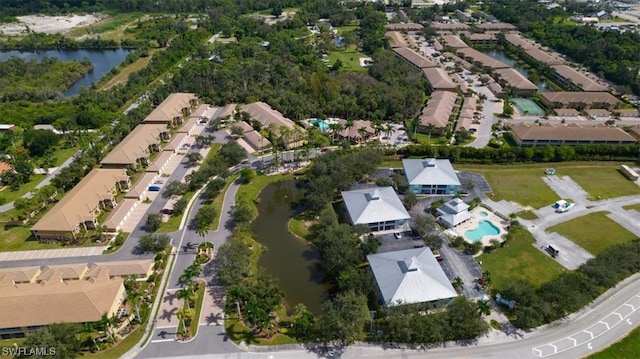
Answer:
(48, 24)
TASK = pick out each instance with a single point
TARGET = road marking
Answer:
(589, 346)
(586, 331)
(575, 342)
(555, 348)
(618, 314)
(163, 340)
(601, 322)
(632, 307)
(537, 352)
(629, 321)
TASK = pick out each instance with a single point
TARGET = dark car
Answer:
(154, 188)
(324, 150)
(167, 211)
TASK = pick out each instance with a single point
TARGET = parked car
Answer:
(154, 188)
(398, 235)
(167, 211)
(158, 182)
(324, 150)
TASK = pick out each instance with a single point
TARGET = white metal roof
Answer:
(410, 276)
(374, 205)
(430, 171)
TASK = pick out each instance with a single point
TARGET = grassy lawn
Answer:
(604, 181)
(593, 232)
(218, 201)
(519, 260)
(633, 206)
(110, 28)
(629, 347)
(121, 348)
(297, 226)
(173, 224)
(521, 184)
(238, 332)
(123, 76)
(10, 196)
(349, 57)
(63, 154)
(527, 215)
(202, 291)
(343, 30)
(252, 190)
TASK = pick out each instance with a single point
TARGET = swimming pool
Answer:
(485, 228)
(321, 124)
(483, 214)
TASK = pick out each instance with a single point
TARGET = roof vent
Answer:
(429, 162)
(405, 268)
(373, 196)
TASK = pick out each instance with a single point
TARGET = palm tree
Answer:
(484, 307)
(362, 131)
(389, 129)
(184, 314)
(185, 294)
(335, 128)
(202, 230)
(430, 128)
(458, 284)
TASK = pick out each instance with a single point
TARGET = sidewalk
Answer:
(52, 253)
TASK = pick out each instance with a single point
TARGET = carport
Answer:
(140, 189)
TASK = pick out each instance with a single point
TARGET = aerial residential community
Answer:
(320, 179)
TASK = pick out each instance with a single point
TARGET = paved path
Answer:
(9, 206)
(51, 253)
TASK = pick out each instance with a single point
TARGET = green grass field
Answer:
(521, 184)
(110, 28)
(10, 195)
(349, 57)
(601, 181)
(238, 332)
(594, 232)
(123, 76)
(627, 348)
(520, 260)
(633, 206)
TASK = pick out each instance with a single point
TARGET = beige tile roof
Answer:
(629, 112)
(352, 132)
(439, 79)
(396, 39)
(58, 301)
(117, 215)
(518, 40)
(484, 59)
(266, 115)
(22, 274)
(454, 41)
(203, 111)
(76, 205)
(566, 112)
(448, 27)
(243, 125)
(635, 132)
(438, 109)
(481, 37)
(404, 27)
(598, 112)
(227, 110)
(415, 58)
(138, 268)
(566, 98)
(189, 125)
(64, 271)
(141, 186)
(171, 107)
(515, 79)
(255, 140)
(135, 145)
(160, 161)
(585, 83)
(496, 26)
(470, 103)
(573, 133)
(544, 57)
(175, 142)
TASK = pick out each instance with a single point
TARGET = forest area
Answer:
(609, 54)
(38, 80)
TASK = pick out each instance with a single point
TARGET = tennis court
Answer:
(527, 107)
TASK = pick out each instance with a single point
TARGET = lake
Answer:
(103, 61)
(290, 259)
(501, 56)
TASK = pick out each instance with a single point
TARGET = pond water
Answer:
(502, 56)
(290, 259)
(103, 61)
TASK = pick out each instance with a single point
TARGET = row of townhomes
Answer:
(411, 275)
(97, 192)
(32, 297)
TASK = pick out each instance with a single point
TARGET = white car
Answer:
(398, 235)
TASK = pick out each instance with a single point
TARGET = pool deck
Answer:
(474, 221)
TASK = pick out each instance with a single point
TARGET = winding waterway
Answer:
(290, 259)
(103, 61)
